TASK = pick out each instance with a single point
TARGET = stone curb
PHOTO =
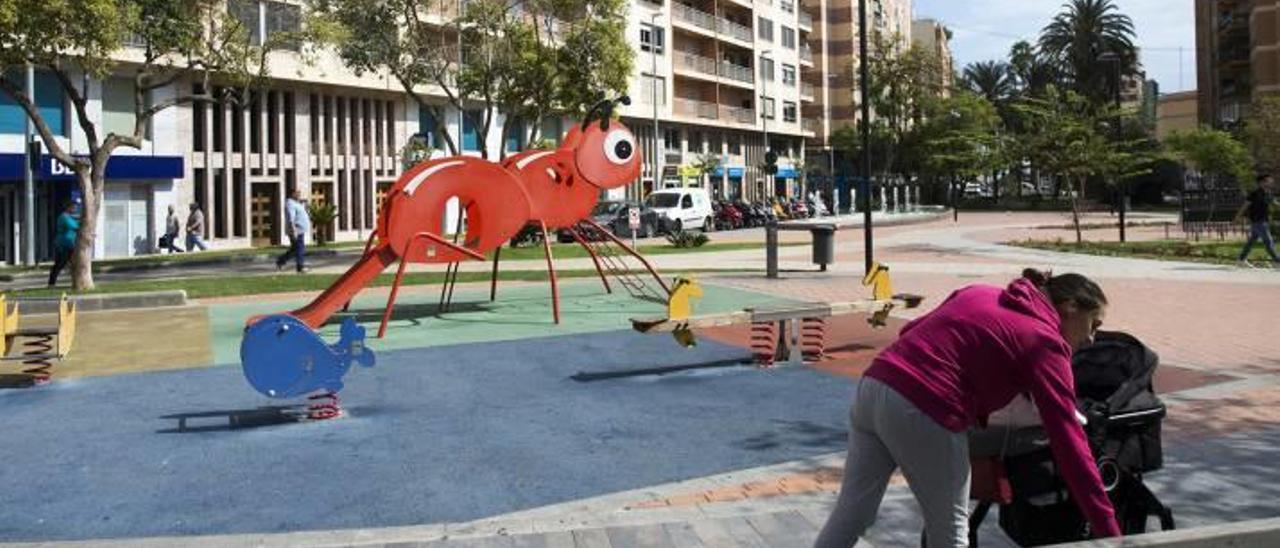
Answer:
(108, 301)
(176, 265)
(1257, 533)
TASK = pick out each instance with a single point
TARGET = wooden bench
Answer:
(42, 346)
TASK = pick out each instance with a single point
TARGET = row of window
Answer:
(262, 108)
(517, 132)
(764, 31)
(711, 143)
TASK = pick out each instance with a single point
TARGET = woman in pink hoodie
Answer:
(946, 373)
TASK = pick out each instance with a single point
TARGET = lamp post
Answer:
(653, 84)
(865, 91)
(1121, 194)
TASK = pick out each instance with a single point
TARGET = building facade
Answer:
(1238, 44)
(713, 80)
(935, 38)
(1177, 112)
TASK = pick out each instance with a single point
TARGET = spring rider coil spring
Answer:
(764, 343)
(39, 365)
(813, 338)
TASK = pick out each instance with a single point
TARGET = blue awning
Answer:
(119, 168)
(786, 172)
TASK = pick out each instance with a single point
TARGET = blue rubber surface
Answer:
(440, 434)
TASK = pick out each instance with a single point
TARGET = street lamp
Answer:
(764, 113)
(1122, 195)
(653, 85)
(865, 91)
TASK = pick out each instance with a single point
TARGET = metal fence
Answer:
(1211, 211)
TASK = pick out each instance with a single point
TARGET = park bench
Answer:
(41, 347)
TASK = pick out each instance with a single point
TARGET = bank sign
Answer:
(120, 168)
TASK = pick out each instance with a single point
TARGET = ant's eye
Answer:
(619, 147)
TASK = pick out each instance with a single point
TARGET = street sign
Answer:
(633, 218)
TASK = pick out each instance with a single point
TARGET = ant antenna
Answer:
(605, 110)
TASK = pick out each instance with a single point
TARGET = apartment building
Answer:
(717, 78)
(1238, 44)
(890, 19)
(935, 38)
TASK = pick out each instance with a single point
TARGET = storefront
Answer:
(129, 220)
(733, 184)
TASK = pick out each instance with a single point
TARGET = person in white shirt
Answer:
(297, 224)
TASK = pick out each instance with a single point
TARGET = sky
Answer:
(984, 30)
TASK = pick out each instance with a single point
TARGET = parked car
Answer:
(685, 208)
(615, 216)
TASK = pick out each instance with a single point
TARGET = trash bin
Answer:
(824, 245)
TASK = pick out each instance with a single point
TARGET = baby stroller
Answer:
(1013, 466)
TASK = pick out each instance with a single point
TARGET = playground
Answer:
(469, 414)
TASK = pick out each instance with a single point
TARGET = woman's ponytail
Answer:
(1068, 288)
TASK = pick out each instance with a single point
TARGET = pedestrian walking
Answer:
(195, 229)
(1257, 210)
(172, 228)
(947, 372)
(297, 225)
(64, 240)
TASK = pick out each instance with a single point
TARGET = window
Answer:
(427, 128)
(197, 121)
(671, 136)
(470, 133)
(788, 37)
(219, 121)
(765, 29)
(286, 18)
(647, 85)
(515, 135)
(117, 106)
(766, 68)
(255, 121)
(246, 13)
(788, 6)
(289, 129)
(686, 202)
(695, 142)
(735, 145)
(769, 108)
(789, 75)
(788, 111)
(273, 122)
(553, 128)
(50, 101)
(652, 37)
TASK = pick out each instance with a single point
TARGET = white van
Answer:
(684, 208)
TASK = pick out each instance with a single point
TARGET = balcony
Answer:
(805, 20)
(737, 73)
(733, 30)
(811, 125)
(694, 16)
(738, 114)
(806, 91)
(806, 54)
(695, 63)
(696, 109)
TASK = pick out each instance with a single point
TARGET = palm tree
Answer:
(1031, 72)
(1079, 35)
(990, 79)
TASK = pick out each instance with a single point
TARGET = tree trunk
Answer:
(1075, 212)
(90, 181)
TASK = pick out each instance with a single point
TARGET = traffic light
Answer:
(770, 166)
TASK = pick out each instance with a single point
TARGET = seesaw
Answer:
(776, 331)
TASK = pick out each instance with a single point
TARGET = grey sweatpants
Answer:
(888, 432)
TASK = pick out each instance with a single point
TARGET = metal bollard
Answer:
(771, 250)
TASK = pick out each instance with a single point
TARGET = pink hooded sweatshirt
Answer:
(978, 350)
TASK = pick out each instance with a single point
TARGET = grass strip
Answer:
(201, 288)
(1214, 252)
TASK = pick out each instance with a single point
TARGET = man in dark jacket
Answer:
(1257, 209)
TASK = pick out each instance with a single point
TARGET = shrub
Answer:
(685, 239)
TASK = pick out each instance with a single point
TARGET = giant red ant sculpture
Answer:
(554, 189)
